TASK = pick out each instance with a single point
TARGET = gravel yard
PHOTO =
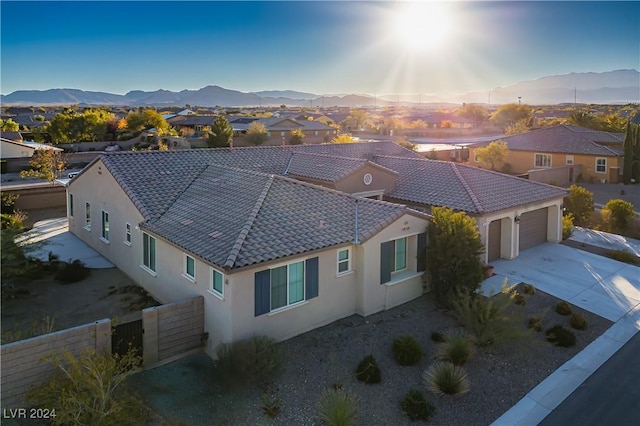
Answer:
(185, 392)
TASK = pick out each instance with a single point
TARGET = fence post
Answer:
(103, 336)
(150, 336)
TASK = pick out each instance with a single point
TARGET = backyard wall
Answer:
(22, 364)
(172, 329)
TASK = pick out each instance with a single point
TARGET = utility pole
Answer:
(519, 97)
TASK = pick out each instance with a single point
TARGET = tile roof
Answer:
(329, 168)
(567, 139)
(461, 187)
(235, 218)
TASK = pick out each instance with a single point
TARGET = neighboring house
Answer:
(279, 130)
(281, 240)
(564, 153)
(12, 149)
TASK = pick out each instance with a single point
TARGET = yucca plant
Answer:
(338, 408)
(444, 378)
(457, 348)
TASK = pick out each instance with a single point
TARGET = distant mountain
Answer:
(621, 86)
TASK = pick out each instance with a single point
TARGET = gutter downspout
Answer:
(356, 238)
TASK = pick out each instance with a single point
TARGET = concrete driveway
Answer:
(598, 284)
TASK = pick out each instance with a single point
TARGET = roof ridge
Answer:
(318, 154)
(244, 232)
(186, 187)
(467, 188)
(605, 147)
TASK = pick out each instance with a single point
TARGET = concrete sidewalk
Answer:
(598, 284)
(605, 240)
(52, 235)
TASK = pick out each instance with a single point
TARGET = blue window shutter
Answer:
(422, 252)
(386, 261)
(311, 278)
(262, 292)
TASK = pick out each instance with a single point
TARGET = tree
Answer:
(256, 133)
(453, 254)
(509, 114)
(493, 154)
(70, 126)
(617, 215)
(473, 112)
(356, 120)
(221, 133)
(404, 142)
(584, 119)
(631, 159)
(343, 138)
(297, 135)
(46, 164)
(579, 203)
(520, 126)
(9, 125)
(137, 122)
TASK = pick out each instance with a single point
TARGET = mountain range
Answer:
(611, 87)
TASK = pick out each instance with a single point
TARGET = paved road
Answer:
(605, 192)
(611, 396)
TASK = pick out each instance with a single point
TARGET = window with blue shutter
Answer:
(422, 252)
(386, 261)
(311, 278)
(262, 292)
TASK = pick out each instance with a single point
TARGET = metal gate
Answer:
(127, 335)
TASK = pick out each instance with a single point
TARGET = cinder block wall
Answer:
(23, 365)
(172, 329)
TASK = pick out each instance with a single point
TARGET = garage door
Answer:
(493, 251)
(533, 228)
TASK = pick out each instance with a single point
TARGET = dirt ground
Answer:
(106, 293)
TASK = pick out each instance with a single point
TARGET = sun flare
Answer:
(422, 25)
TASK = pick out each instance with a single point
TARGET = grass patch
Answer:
(444, 378)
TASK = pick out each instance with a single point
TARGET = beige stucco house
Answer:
(563, 154)
(281, 240)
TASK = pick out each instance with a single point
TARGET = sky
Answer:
(326, 47)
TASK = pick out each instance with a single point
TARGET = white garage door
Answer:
(533, 228)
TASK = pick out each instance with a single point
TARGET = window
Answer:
(286, 285)
(344, 261)
(601, 165)
(87, 216)
(149, 252)
(189, 267)
(105, 226)
(569, 160)
(315, 133)
(543, 160)
(394, 257)
(70, 205)
(127, 234)
(282, 134)
(400, 254)
(216, 282)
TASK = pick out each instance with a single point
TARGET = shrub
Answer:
(416, 406)
(72, 272)
(529, 289)
(579, 203)
(578, 322)
(338, 408)
(567, 226)
(563, 308)
(438, 337)
(623, 256)
(270, 406)
(251, 362)
(560, 336)
(444, 378)
(492, 320)
(534, 322)
(457, 348)
(368, 370)
(407, 350)
(519, 299)
(617, 215)
(90, 389)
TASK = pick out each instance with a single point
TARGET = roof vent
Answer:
(216, 234)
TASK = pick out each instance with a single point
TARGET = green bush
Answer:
(563, 308)
(368, 370)
(560, 336)
(529, 289)
(534, 322)
(251, 362)
(90, 389)
(623, 256)
(438, 337)
(444, 378)
(416, 406)
(519, 299)
(407, 350)
(338, 408)
(567, 226)
(579, 203)
(492, 320)
(617, 215)
(72, 272)
(457, 349)
(578, 322)
(270, 406)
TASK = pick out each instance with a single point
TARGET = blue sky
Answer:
(325, 47)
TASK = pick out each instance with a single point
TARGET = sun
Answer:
(422, 25)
